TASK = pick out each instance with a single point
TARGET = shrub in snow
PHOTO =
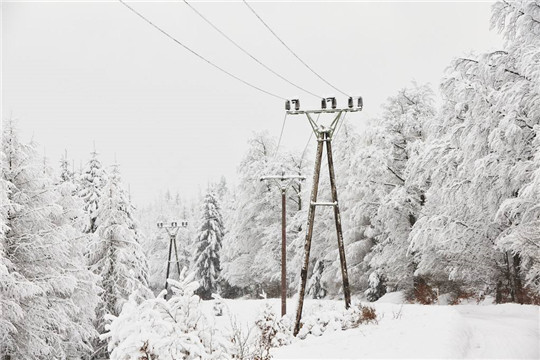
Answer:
(316, 286)
(320, 321)
(377, 287)
(422, 291)
(165, 329)
(218, 305)
(359, 314)
(317, 324)
(273, 332)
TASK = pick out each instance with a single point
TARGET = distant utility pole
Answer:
(172, 231)
(324, 136)
(283, 181)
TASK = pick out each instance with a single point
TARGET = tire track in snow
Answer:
(501, 332)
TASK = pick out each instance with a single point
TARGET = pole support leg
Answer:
(309, 235)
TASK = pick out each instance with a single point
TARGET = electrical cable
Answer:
(246, 52)
(340, 125)
(198, 55)
(291, 51)
(281, 134)
(309, 139)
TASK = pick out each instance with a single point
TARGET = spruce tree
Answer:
(91, 186)
(46, 294)
(115, 253)
(209, 242)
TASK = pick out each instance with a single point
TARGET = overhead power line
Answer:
(281, 134)
(247, 52)
(198, 55)
(291, 51)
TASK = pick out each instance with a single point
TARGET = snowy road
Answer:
(410, 331)
(467, 331)
(504, 331)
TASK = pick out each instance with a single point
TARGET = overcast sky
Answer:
(78, 72)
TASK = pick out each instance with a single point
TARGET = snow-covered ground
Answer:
(507, 331)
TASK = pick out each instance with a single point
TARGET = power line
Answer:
(246, 52)
(281, 134)
(197, 54)
(309, 139)
(291, 51)
(340, 125)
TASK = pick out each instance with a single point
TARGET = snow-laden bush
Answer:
(377, 287)
(218, 305)
(165, 329)
(272, 332)
(332, 320)
(357, 315)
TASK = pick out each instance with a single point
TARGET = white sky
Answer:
(78, 72)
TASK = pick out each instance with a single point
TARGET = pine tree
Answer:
(65, 173)
(209, 242)
(44, 297)
(91, 187)
(85, 294)
(115, 254)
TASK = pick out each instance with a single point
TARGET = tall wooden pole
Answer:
(337, 217)
(309, 234)
(168, 263)
(173, 239)
(283, 253)
(283, 181)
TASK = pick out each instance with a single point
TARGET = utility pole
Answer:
(172, 231)
(324, 135)
(283, 181)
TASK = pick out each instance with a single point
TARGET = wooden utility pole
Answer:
(324, 136)
(172, 231)
(283, 181)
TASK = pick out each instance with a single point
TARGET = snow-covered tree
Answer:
(91, 185)
(116, 254)
(404, 127)
(85, 293)
(519, 101)
(377, 287)
(166, 329)
(209, 240)
(252, 245)
(480, 157)
(244, 240)
(47, 296)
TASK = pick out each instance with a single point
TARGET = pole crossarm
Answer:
(283, 181)
(322, 111)
(320, 130)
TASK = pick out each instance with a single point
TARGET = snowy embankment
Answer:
(408, 331)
